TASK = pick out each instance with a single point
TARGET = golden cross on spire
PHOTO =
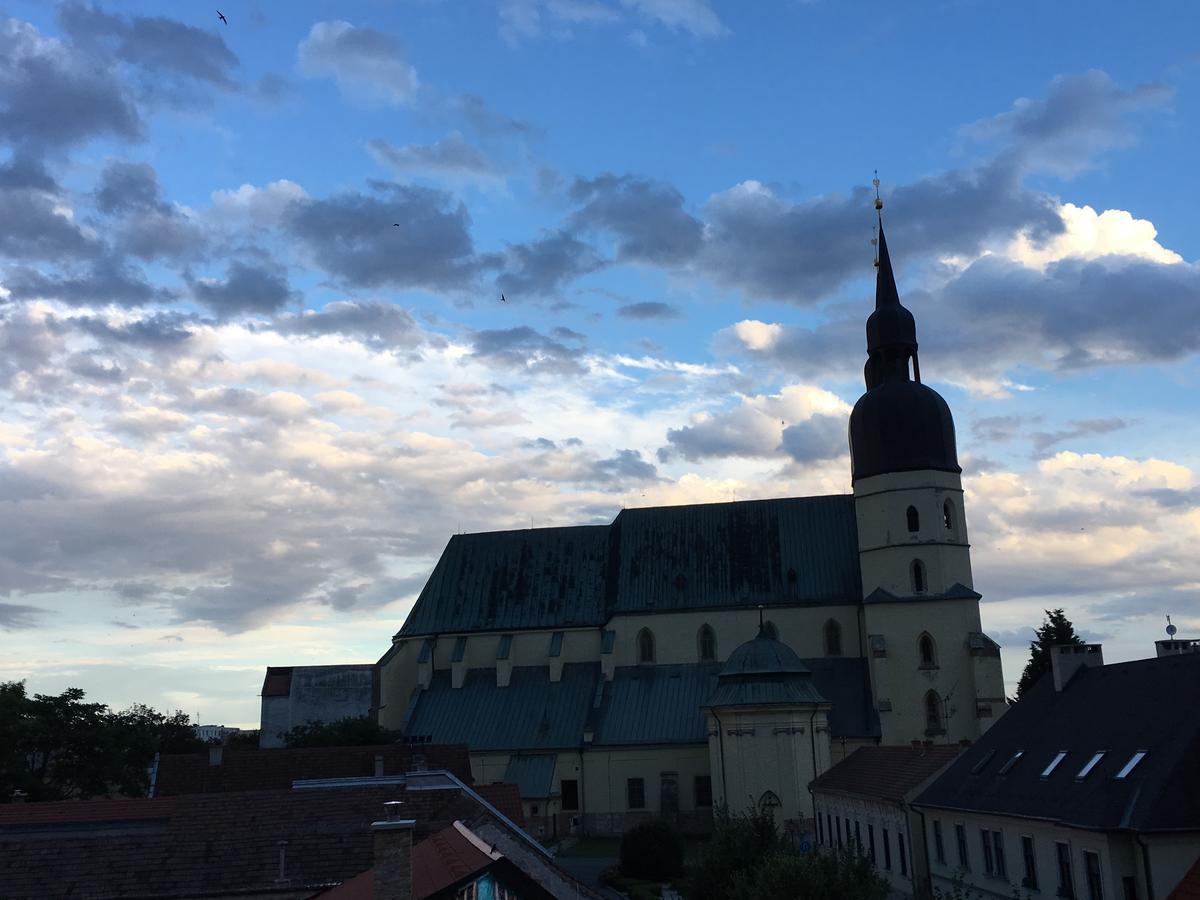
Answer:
(875, 181)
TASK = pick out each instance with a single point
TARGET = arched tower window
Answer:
(645, 644)
(933, 713)
(948, 515)
(707, 641)
(833, 638)
(927, 651)
(919, 582)
(770, 630)
(914, 520)
(769, 802)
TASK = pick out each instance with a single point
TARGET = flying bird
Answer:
(502, 300)
(221, 16)
(395, 224)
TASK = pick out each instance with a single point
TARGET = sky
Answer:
(255, 369)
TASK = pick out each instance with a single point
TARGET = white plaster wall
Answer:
(879, 816)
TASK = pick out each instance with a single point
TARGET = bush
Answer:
(739, 843)
(652, 850)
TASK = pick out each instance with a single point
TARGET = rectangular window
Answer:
(938, 846)
(828, 830)
(838, 821)
(964, 861)
(1091, 871)
(871, 842)
(1030, 880)
(636, 793)
(1066, 884)
(703, 788)
(1091, 764)
(900, 852)
(858, 844)
(849, 842)
(998, 855)
(1129, 886)
(820, 828)
(1012, 761)
(887, 851)
(570, 794)
(985, 839)
(1058, 757)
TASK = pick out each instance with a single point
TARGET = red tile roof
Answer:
(80, 811)
(506, 798)
(1189, 887)
(886, 773)
(246, 770)
(444, 858)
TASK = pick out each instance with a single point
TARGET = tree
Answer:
(1057, 629)
(652, 850)
(357, 731)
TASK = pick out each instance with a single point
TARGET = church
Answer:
(687, 656)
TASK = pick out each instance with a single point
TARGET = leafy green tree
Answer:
(652, 850)
(739, 844)
(785, 874)
(1057, 629)
(242, 740)
(358, 731)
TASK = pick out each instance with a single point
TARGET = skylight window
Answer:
(1012, 761)
(1058, 757)
(979, 766)
(1134, 760)
(1091, 764)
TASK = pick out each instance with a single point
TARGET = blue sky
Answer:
(241, 411)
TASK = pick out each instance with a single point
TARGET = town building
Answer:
(864, 804)
(303, 695)
(716, 653)
(1088, 787)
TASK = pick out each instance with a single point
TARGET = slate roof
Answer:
(1150, 705)
(779, 552)
(886, 773)
(659, 704)
(244, 770)
(208, 843)
(533, 774)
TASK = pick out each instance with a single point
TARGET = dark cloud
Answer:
(1082, 115)
(561, 333)
(246, 289)
(352, 237)
(998, 429)
(527, 350)
(625, 466)
(54, 97)
(161, 45)
(817, 438)
(647, 218)
(363, 61)
(1171, 498)
(484, 121)
(1042, 440)
(33, 225)
(24, 171)
(544, 267)
(375, 323)
(92, 368)
(102, 282)
(649, 311)
(451, 157)
(126, 187)
(15, 616)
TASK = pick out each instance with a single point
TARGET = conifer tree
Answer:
(1057, 629)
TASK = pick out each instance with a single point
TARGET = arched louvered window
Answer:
(645, 646)
(919, 582)
(948, 515)
(707, 643)
(933, 713)
(914, 520)
(770, 630)
(833, 638)
(769, 802)
(927, 651)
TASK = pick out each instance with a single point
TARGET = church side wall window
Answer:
(769, 802)
(919, 582)
(948, 515)
(833, 638)
(707, 641)
(933, 713)
(645, 645)
(914, 520)
(928, 651)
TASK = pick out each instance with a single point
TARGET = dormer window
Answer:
(1129, 766)
(914, 520)
(1058, 757)
(1091, 764)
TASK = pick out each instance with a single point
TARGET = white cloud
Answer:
(364, 62)
(1090, 235)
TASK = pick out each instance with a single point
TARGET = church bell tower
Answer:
(935, 674)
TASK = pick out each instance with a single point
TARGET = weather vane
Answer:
(875, 228)
(875, 181)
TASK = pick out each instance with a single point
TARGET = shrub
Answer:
(652, 850)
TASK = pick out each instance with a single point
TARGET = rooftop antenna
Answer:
(1171, 629)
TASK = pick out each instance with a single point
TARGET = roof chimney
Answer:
(393, 854)
(1067, 659)
(215, 753)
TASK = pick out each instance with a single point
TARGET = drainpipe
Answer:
(924, 888)
(1146, 865)
(721, 744)
(582, 791)
(812, 737)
